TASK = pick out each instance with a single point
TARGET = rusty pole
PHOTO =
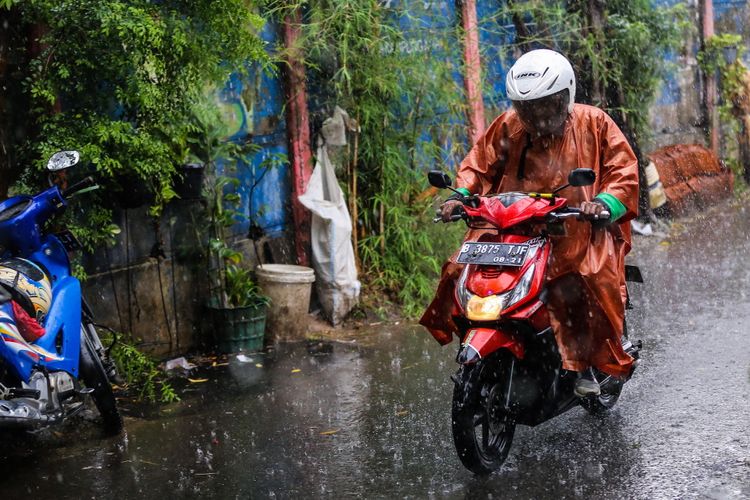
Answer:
(298, 124)
(473, 72)
(711, 84)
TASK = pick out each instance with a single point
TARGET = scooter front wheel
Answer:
(95, 377)
(482, 426)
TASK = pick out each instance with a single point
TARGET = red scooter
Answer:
(510, 367)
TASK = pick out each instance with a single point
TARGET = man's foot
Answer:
(586, 384)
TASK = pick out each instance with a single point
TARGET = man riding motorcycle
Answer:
(532, 148)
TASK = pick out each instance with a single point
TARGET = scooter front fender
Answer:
(481, 342)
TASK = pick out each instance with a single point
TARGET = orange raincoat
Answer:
(586, 275)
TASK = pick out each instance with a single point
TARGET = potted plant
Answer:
(236, 307)
(239, 323)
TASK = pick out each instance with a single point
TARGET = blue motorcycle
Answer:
(47, 379)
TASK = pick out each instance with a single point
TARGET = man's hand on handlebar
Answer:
(447, 208)
(592, 209)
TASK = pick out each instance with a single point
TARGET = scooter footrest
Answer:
(20, 392)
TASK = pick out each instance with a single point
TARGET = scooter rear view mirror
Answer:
(439, 179)
(582, 177)
(62, 160)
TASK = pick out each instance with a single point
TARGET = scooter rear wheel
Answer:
(482, 428)
(611, 387)
(95, 377)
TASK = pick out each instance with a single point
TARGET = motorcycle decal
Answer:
(470, 336)
(13, 339)
(526, 312)
(537, 241)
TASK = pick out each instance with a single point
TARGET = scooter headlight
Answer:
(490, 308)
(485, 308)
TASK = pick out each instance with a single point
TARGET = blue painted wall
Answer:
(496, 33)
(670, 92)
(730, 17)
(722, 6)
(430, 29)
(252, 104)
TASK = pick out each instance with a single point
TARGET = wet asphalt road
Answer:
(373, 418)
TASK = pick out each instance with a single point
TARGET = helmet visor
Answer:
(544, 116)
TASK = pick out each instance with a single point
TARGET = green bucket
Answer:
(238, 328)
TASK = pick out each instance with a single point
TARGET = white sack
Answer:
(333, 255)
(334, 128)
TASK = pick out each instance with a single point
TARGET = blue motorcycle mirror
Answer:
(62, 160)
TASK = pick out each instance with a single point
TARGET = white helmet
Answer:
(540, 73)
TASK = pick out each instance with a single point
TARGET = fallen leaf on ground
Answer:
(401, 413)
(258, 365)
(296, 370)
(329, 433)
(197, 380)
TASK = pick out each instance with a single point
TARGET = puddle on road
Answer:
(365, 420)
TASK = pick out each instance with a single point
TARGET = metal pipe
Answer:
(473, 70)
(298, 125)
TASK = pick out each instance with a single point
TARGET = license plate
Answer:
(493, 254)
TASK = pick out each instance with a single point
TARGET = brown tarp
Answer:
(692, 176)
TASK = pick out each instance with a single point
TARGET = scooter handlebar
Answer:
(575, 213)
(454, 218)
(79, 186)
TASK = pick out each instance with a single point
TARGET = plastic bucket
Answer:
(289, 289)
(238, 328)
